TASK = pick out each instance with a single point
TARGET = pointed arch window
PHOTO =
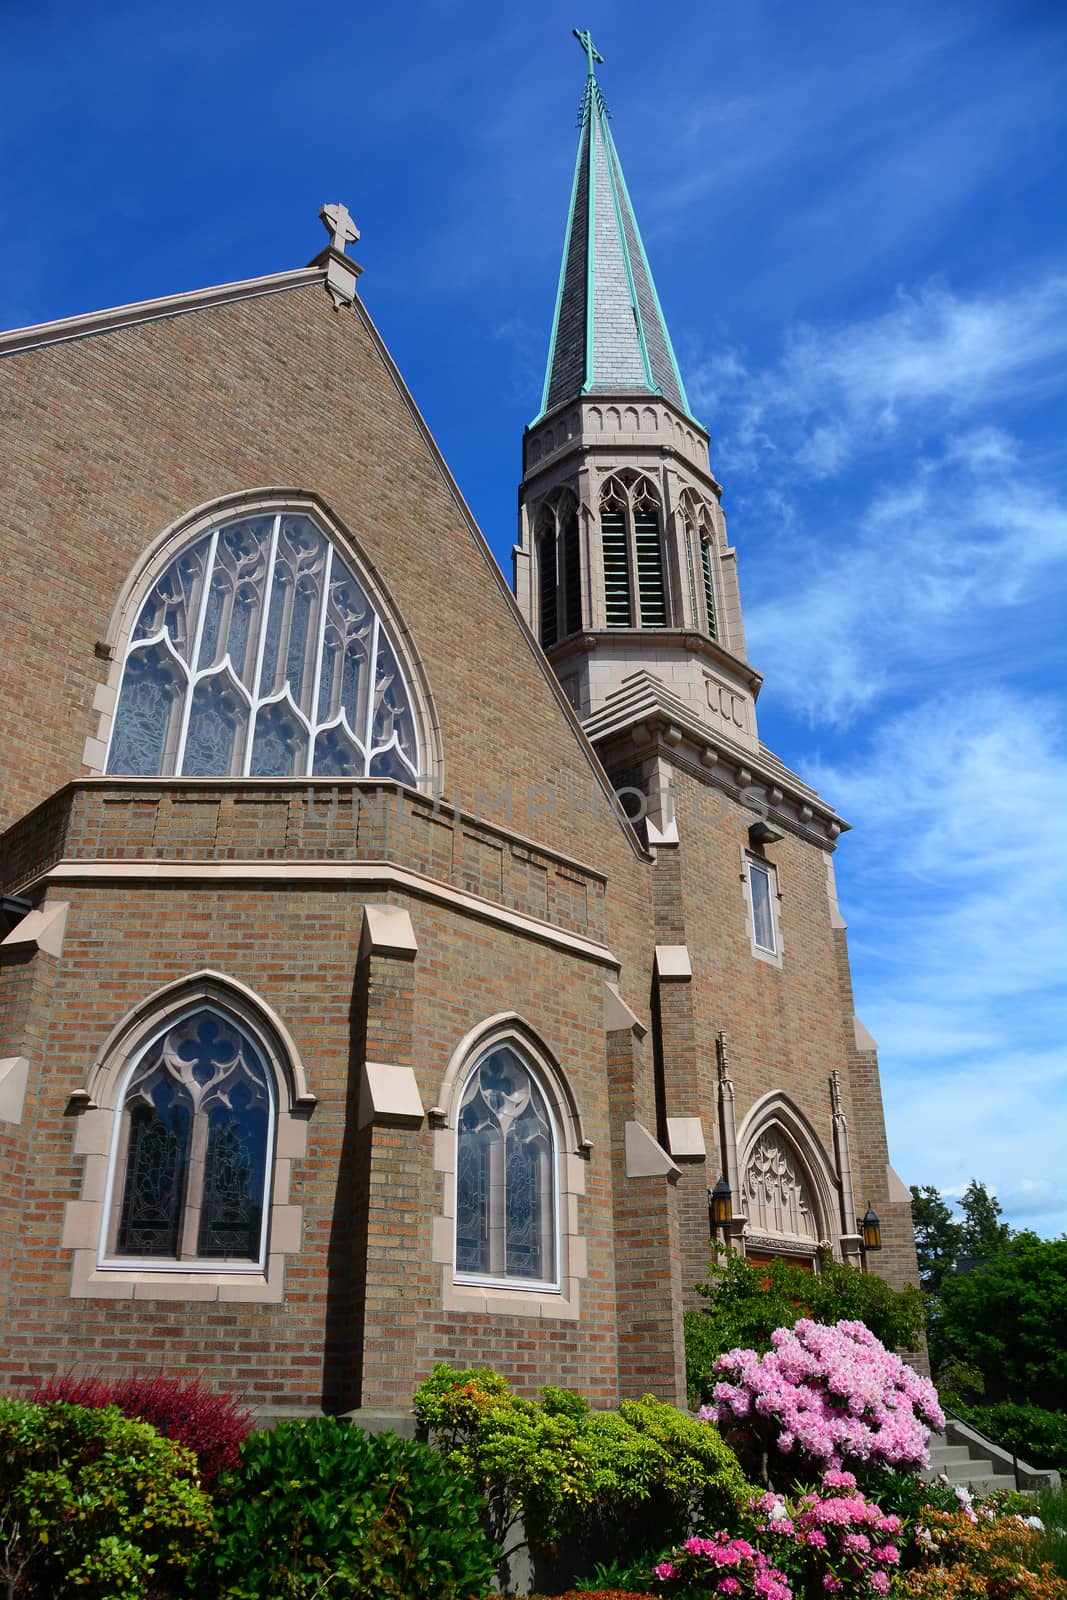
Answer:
(258, 652)
(507, 1186)
(559, 570)
(699, 544)
(193, 1148)
(631, 530)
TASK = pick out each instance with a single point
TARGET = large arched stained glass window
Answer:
(506, 1178)
(258, 652)
(193, 1147)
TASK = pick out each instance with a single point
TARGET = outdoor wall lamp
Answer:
(720, 1206)
(870, 1228)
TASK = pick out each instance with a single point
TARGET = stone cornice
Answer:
(361, 875)
(40, 334)
(647, 720)
(657, 642)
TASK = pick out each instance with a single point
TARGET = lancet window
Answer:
(559, 570)
(699, 545)
(635, 592)
(507, 1198)
(258, 652)
(193, 1147)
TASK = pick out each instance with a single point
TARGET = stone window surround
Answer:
(773, 1112)
(190, 526)
(773, 958)
(573, 1152)
(98, 1106)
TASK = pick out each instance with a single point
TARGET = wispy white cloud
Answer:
(932, 360)
(958, 906)
(924, 578)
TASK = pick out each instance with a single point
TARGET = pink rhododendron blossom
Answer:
(828, 1395)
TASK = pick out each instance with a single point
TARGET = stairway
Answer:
(957, 1463)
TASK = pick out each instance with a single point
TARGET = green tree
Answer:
(938, 1236)
(983, 1232)
(1007, 1316)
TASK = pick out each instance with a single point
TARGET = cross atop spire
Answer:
(585, 39)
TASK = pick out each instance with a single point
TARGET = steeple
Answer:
(608, 333)
(623, 567)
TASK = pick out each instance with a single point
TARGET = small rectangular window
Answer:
(760, 889)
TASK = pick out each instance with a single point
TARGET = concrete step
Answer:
(943, 1454)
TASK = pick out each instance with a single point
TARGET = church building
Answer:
(397, 966)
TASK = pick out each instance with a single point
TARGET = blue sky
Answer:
(855, 219)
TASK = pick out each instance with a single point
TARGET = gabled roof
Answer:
(608, 334)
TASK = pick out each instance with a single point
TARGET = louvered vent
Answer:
(572, 575)
(547, 563)
(709, 588)
(650, 570)
(618, 603)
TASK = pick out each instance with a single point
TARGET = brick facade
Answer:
(526, 895)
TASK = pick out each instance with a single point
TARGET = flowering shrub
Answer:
(720, 1565)
(979, 1557)
(830, 1540)
(823, 1397)
(210, 1425)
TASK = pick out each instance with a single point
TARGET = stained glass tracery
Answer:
(258, 652)
(505, 1174)
(194, 1145)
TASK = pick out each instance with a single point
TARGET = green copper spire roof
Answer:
(608, 333)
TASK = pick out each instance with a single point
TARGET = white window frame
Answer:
(750, 864)
(517, 1297)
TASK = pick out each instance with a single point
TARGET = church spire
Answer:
(608, 333)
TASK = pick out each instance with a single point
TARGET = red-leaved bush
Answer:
(211, 1425)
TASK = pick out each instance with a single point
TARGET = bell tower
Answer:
(623, 568)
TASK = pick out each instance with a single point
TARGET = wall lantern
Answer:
(871, 1229)
(762, 833)
(720, 1206)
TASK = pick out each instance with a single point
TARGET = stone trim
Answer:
(39, 334)
(379, 874)
(14, 1076)
(777, 1110)
(98, 1111)
(387, 931)
(673, 963)
(512, 1300)
(645, 1156)
(42, 929)
(618, 1017)
(390, 1095)
(685, 1139)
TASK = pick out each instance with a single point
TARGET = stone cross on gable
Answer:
(338, 223)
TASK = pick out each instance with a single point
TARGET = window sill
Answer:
(90, 1281)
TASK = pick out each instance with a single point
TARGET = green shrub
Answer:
(320, 1508)
(618, 1483)
(747, 1301)
(1039, 1436)
(94, 1504)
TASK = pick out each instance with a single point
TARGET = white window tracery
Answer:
(258, 652)
(193, 1147)
(507, 1188)
(778, 1196)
